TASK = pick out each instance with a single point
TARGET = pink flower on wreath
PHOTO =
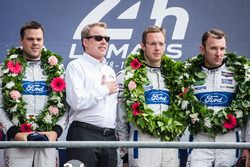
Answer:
(15, 95)
(53, 110)
(132, 85)
(231, 122)
(52, 60)
(135, 108)
(14, 67)
(57, 84)
(135, 64)
(26, 127)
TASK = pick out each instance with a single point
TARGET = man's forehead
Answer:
(155, 35)
(33, 32)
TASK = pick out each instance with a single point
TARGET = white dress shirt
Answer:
(89, 100)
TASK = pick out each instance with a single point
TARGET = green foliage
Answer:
(171, 123)
(16, 109)
(208, 120)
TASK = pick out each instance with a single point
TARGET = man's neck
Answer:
(151, 64)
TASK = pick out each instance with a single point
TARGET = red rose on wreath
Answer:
(26, 127)
(135, 64)
(231, 122)
(135, 108)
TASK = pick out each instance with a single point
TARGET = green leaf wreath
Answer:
(171, 123)
(13, 71)
(202, 119)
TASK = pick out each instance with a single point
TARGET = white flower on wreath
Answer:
(34, 125)
(207, 122)
(186, 75)
(180, 77)
(5, 71)
(14, 56)
(188, 112)
(133, 96)
(45, 49)
(239, 114)
(194, 117)
(1, 73)
(10, 85)
(14, 75)
(247, 73)
(184, 104)
(48, 118)
(13, 109)
(215, 112)
(60, 105)
(237, 63)
(56, 98)
(61, 67)
(15, 121)
(128, 75)
(128, 102)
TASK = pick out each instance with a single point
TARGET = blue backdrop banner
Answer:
(185, 22)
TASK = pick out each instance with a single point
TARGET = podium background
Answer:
(185, 21)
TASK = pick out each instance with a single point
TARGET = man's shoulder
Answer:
(120, 76)
(76, 62)
(121, 73)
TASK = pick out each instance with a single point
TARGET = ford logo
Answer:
(157, 97)
(35, 88)
(214, 98)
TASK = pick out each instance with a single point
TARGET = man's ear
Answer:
(202, 49)
(21, 41)
(84, 42)
(143, 46)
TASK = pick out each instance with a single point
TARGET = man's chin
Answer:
(33, 57)
(219, 63)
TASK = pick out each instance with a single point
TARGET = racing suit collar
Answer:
(33, 62)
(153, 69)
(210, 70)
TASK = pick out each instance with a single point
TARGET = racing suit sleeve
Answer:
(78, 96)
(245, 132)
(7, 125)
(122, 124)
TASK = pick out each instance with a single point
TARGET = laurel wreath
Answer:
(171, 123)
(207, 120)
(16, 108)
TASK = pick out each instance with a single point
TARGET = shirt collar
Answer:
(92, 59)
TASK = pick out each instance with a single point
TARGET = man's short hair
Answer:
(85, 31)
(214, 33)
(30, 25)
(152, 29)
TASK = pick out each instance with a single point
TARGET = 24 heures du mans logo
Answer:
(159, 12)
